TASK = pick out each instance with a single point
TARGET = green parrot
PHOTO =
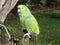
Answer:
(27, 19)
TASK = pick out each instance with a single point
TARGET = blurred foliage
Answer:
(49, 28)
(43, 2)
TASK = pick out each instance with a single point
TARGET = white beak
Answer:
(19, 10)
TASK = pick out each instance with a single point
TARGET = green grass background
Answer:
(49, 28)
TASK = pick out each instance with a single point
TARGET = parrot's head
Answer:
(23, 10)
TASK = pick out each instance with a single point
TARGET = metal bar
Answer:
(6, 30)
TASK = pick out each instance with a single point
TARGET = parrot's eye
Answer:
(22, 8)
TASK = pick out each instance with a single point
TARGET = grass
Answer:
(49, 28)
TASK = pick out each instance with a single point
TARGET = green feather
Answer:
(28, 20)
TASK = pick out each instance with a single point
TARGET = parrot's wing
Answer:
(31, 25)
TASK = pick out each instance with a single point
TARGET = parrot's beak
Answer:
(19, 10)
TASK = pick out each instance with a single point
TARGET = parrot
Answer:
(27, 19)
